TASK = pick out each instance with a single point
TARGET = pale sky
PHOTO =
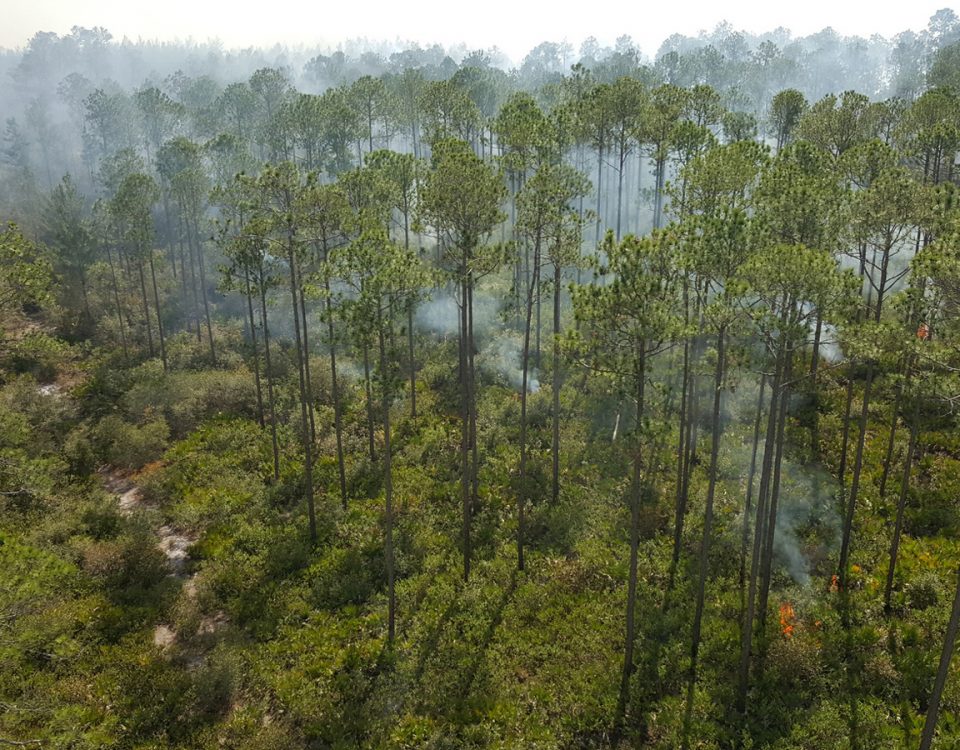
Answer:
(514, 26)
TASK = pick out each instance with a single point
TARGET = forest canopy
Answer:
(416, 399)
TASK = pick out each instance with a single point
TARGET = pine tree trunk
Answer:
(689, 458)
(306, 365)
(599, 195)
(156, 302)
(203, 293)
(854, 484)
(636, 499)
(707, 536)
(620, 191)
(933, 708)
(116, 299)
(525, 365)
(337, 408)
(845, 434)
(537, 350)
(661, 168)
(253, 340)
(388, 487)
(770, 530)
(901, 506)
(193, 280)
(146, 307)
(891, 440)
(413, 364)
(748, 504)
(412, 360)
(268, 373)
(472, 400)
(304, 420)
(465, 483)
(171, 257)
(814, 394)
(183, 260)
(371, 448)
(759, 534)
(556, 383)
(681, 500)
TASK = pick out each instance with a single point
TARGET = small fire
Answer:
(787, 619)
(923, 332)
(834, 583)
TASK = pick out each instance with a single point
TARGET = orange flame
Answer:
(834, 583)
(787, 619)
(923, 332)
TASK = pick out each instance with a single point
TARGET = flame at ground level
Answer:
(787, 619)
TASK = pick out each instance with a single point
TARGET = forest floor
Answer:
(174, 543)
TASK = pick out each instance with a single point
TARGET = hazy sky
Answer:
(513, 25)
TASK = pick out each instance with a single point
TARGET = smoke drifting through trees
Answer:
(379, 228)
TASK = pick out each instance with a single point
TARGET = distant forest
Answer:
(69, 101)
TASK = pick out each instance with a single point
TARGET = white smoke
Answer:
(499, 350)
(503, 358)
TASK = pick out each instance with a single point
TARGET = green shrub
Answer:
(129, 446)
(39, 354)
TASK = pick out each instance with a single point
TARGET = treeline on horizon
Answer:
(47, 88)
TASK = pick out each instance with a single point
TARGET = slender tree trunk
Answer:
(537, 349)
(337, 408)
(146, 307)
(183, 260)
(933, 708)
(306, 364)
(845, 433)
(116, 299)
(661, 168)
(636, 499)
(388, 487)
(891, 440)
(472, 401)
(193, 280)
(304, 420)
(412, 359)
(268, 373)
(620, 192)
(707, 537)
(253, 341)
(814, 393)
(525, 365)
(156, 302)
(599, 196)
(203, 293)
(556, 382)
(748, 505)
(766, 565)
(371, 448)
(855, 483)
(689, 459)
(413, 364)
(579, 262)
(759, 534)
(681, 500)
(171, 257)
(901, 506)
(465, 422)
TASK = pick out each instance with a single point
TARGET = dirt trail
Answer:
(174, 544)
